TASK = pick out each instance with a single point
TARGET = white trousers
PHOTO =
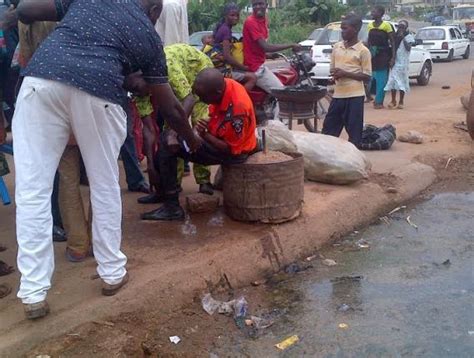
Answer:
(46, 113)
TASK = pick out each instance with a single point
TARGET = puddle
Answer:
(396, 296)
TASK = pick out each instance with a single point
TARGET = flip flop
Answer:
(401, 106)
(392, 105)
(5, 269)
(5, 290)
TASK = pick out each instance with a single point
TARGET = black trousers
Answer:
(166, 163)
(345, 113)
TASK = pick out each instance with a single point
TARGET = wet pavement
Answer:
(401, 288)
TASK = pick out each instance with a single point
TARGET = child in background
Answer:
(350, 68)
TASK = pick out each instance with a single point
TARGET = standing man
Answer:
(381, 43)
(256, 46)
(74, 84)
(350, 68)
(172, 26)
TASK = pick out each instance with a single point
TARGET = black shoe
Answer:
(142, 188)
(165, 213)
(59, 235)
(153, 198)
(206, 189)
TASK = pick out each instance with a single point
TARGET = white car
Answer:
(312, 38)
(444, 42)
(421, 65)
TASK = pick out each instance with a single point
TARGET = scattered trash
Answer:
(73, 334)
(362, 244)
(447, 262)
(329, 262)
(411, 223)
(292, 268)
(287, 342)
(344, 279)
(213, 355)
(343, 326)
(397, 209)
(446, 87)
(399, 236)
(447, 163)
(258, 282)
(471, 333)
(240, 307)
(175, 339)
(104, 323)
(43, 356)
(385, 220)
(344, 308)
(5, 290)
(258, 322)
(226, 308)
(413, 137)
(392, 190)
(311, 258)
(209, 304)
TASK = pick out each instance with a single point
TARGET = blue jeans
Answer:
(380, 77)
(128, 153)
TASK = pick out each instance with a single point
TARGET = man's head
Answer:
(259, 8)
(153, 9)
(402, 26)
(209, 86)
(350, 27)
(378, 12)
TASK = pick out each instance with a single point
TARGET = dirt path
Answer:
(155, 250)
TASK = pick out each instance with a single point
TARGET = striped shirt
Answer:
(352, 59)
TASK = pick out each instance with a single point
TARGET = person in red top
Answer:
(227, 138)
(256, 47)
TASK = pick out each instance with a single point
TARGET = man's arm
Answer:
(219, 144)
(276, 48)
(174, 113)
(9, 19)
(391, 39)
(42, 10)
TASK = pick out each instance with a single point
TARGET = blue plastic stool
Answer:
(4, 196)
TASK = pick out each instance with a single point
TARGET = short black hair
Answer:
(353, 20)
(380, 9)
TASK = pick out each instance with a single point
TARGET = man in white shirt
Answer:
(172, 25)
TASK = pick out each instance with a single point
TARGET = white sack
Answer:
(331, 160)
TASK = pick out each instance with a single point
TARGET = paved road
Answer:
(409, 295)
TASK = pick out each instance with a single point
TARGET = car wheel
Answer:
(450, 56)
(425, 74)
(467, 53)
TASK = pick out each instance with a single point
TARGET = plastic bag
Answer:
(374, 138)
(331, 160)
(278, 137)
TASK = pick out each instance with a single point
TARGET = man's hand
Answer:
(10, 18)
(337, 74)
(197, 142)
(201, 127)
(296, 47)
(135, 83)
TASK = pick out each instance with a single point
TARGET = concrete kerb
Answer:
(329, 213)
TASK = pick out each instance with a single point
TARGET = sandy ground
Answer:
(156, 250)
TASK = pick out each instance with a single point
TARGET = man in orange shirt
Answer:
(228, 138)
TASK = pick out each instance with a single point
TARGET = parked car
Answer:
(312, 38)
(444, 42)
(196, 37)
(421, 65)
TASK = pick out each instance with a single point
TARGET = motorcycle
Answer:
(296, 74)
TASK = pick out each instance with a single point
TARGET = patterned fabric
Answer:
(351, 59)
(96, 44)
(374, 138)
(4, 170)
(398, 79)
